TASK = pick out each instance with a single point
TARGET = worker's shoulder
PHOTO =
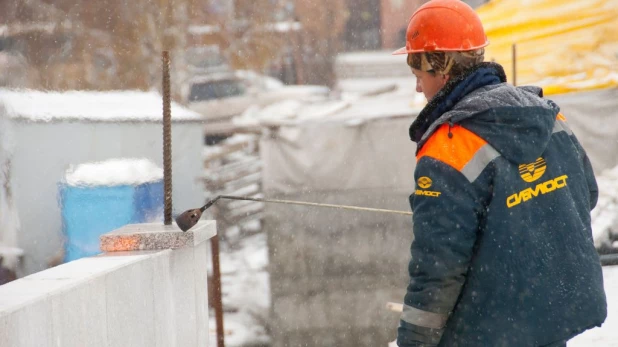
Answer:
(460, 148)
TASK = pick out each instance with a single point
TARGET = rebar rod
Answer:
(167, 141)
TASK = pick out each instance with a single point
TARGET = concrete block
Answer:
(28, 326)
(183, 296)
(129, 296)
(156, 236)
(125, 298)
(201, 260)
(17, 294)
(79, 315)
(91, 267)
(164, 318)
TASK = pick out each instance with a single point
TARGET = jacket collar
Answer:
(453, 91)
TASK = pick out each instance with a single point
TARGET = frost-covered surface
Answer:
(246, 294)
(605, 214)
(114, 172)
(43, 106)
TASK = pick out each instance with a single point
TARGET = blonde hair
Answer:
(446, 63)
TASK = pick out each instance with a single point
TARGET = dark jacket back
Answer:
(505, 250)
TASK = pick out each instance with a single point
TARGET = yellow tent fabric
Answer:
(561, 45)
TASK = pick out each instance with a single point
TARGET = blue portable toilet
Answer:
(97, 198)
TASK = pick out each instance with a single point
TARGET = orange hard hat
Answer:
(444, 25)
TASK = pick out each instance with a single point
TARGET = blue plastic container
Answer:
(89, 212)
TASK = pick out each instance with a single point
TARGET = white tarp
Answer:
(339, 156)
(366, 144)
(593, 117)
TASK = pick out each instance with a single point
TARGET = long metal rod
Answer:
(293, 202)
(167, 141)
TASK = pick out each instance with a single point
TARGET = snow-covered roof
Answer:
(370, 58)
(109, 106)
(114, 172)
(354, 108)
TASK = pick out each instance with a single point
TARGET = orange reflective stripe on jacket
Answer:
(456, 151)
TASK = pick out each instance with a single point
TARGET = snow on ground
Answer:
(605, 214)
(114, 172)
(246, 294)
(606, 335)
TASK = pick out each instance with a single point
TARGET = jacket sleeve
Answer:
(592, 182)
(446, 213)
(589, 173)
(593, 189)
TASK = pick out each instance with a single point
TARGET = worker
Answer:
(502, 252)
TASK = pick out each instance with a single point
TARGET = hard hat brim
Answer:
(400, 51)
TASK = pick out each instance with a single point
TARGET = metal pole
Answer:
(216, 290)
(514, 59)
(167, 140)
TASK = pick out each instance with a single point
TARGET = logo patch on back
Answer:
(534, 171)
(530, 173)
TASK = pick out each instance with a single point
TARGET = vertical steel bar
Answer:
(167, 140)
(216, 288)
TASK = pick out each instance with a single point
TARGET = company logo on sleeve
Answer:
(425, 183)
(530, 173)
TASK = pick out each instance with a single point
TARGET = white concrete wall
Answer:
(42, 152)
(139, 298)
